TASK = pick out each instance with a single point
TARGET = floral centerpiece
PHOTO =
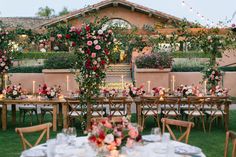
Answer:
(13, 92)
(135, 91)
(49, 92)
(108, 137)
(188, 90)
(219, 91)
(110, 93)
(158, 91)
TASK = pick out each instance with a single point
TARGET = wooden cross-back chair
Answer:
(171, 107)
(150, 107)
(196, 109)
(230, 135)
(117, 108)
(188, 125)
(43, 128)
(77, 110)
(97, 109)
(216, 109)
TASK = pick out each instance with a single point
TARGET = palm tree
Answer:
(45, 12)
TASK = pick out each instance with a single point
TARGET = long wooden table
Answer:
(13, 103)
(184, 101)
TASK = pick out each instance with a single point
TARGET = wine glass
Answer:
(156, 133)
(72, 133)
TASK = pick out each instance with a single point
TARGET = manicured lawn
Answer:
(212, 143)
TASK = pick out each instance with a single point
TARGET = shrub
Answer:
(158, 60)
(228, 68)
(25, 69)
(36, 55)
(188, 65)
(65, 61)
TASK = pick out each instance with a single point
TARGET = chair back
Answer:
(230, 135)
(97, 107)
(76, 107)
(171, 105)
(196, 105)
(118, 106)
(217, 104)
(150, 105)
(188, 125)
(43, 128)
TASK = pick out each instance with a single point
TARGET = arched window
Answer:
(117, 23)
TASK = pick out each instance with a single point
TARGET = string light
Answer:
(209, 23)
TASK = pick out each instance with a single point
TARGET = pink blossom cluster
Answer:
(113, 136)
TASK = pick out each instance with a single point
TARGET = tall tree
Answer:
(64, 11)
(45, 12)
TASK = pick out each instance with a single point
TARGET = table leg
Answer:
(138, 108)
(54, 117)
(227, 116)
(60, 115)
(13, 110)
(65, 115)
(129, 110)
(88, 117)
(4, 117)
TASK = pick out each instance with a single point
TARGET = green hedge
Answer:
(30, 69)
(192, 54)
(46, 55)
(186, 69)
(63, 61)
(36, 55)
(228, 68)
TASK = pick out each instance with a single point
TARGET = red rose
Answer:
(68, 36)
(73, 44)
(88, 51)
(106, 51)
(101, 135)
(88, 64)
(92, 139)
(95, 68)
(103, 62)
(78, 31)
(87, 28)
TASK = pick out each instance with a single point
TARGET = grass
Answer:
(212, 144)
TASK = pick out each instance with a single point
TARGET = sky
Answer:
(193, 10)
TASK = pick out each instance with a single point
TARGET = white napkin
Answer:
(34, 153)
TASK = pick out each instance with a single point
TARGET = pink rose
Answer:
(118, 141)
(108, 125)
(59, 36)
(72, 29)
(133, 133)
(89, 43)
(97, 47)
(93, 55)
(95, 62)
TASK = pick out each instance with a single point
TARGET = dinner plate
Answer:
(187, 150)
(151, 138)
(34, 153)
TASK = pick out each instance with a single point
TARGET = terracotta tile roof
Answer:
(105, 3)
(25, 22)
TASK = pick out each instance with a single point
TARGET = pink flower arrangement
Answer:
(13, 92)
(219, 91)
(158, 91)
(49, 92)
(135, 91)
(111, 137)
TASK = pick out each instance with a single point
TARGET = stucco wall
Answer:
(157, 79)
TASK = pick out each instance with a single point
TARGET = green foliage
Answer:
(45, 12)
(193, 54)
(63, 61)
(26, 69)
(158, 60)
(36, 55)
(228, 68)
(64, 11)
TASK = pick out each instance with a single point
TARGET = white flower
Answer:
(56, 48)
(3, 64)
(95, 42)
(14, 92)
(109, 139)
(100, 31)
(99, 59)
(53, 93)
(43, 50)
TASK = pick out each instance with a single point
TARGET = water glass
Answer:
(50, 147)
(156, 133)
(166, 138)
(72, 133)
(61, 138)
